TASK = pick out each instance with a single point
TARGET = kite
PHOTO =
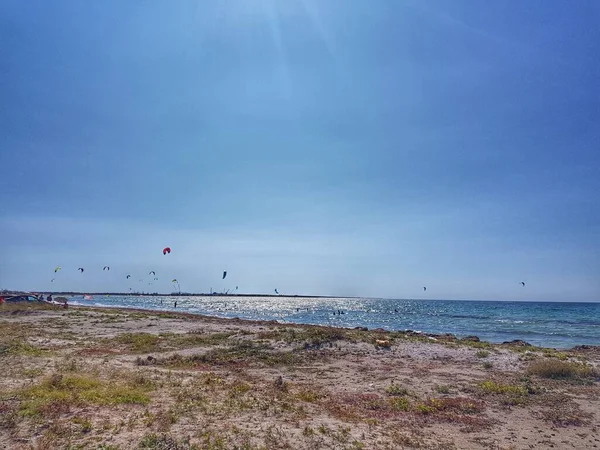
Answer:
(523, 283)
(57, 269)
(424, 288)
(106, 268)
(80, 269)
(224, 274)
(166, 250)
(128, 277)
(276, 291)
(152, 272)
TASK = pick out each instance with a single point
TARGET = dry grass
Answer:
(563, 412)
(482, 354)
(14, 340)
(499, 388)
(148, 343)
(557, 369)
(507, 394)
(242, 353)
(396, 390)
(57, 394)
(456, 404)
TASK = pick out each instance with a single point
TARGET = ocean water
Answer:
(548, 324)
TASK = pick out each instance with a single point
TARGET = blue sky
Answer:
(343, 148)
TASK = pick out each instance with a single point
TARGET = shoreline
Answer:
(496, 334)
(443, 337)
(438, 336)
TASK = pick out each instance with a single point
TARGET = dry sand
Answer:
(119, 379)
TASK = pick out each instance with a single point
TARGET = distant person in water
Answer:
(175, 304)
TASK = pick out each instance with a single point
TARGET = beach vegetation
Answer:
(462, 405)
(147, 342)
(240, 353)
(162, 441)
(494, 387)
(309, 395)
(19, 347)
(565, 370)
(198, 338)
(84, 423)
(161, 420)
(552, 353)
(396, 390)
(509, 394)
(139, 342)
(566, 413)
(399, 404)
(442, 389)
(32, 372)
(14, 340)
(478, 344)
(57, 394)
(311, 336)
(482, 354)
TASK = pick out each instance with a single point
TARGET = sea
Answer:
(546, 324)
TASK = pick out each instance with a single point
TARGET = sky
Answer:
(335, 148)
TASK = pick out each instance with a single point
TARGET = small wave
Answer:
(533, 333)
(104, 305)
(588, 323)
(465, 316)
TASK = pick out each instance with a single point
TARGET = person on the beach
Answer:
(49, 298)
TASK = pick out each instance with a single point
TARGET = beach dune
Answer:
(124, 379)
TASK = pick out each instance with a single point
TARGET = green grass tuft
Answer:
(399, 404)
(396, 390)
(58, 393)
(139, 342)
(498, 388)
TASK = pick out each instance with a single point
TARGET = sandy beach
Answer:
(121, 379)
